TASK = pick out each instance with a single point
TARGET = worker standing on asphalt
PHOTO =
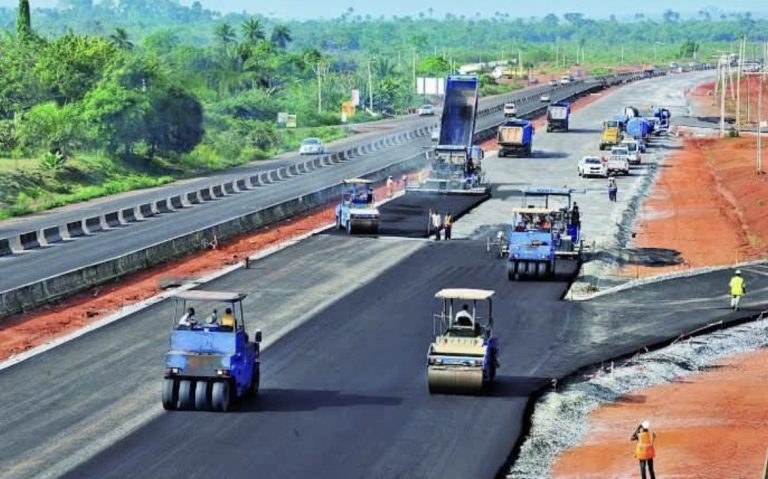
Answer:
(613, 189)
(738, 289)
(436, 224)
(448, 224)
(390, 182)
(575, 215)
(645, 450)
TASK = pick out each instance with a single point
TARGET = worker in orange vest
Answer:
(644, 450)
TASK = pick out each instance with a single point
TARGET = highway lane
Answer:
(37, 264)
(368, 131)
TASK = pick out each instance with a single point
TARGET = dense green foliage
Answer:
(139, 86)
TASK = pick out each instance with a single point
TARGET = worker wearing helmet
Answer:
(738, 288)
(645, 450)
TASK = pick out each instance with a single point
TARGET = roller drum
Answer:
(453, 380)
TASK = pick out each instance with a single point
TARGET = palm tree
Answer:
(281, 36)
(225, 33)
(120, 39)
(253, 30)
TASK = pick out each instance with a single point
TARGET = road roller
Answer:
(463, 359)
(211, 361)
(357, 212)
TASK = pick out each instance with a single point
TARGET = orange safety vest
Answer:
(644, 449)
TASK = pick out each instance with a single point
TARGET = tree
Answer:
(253, 31)
(281, 36)
(688, 49)
(57, 129)
(120, 39)
(24, 21)
(434, 66)
(175, 121)
(224, 33)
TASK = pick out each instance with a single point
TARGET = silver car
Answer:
(426, 110)
(312, 146)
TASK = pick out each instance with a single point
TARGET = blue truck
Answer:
(639, 128)
(455, 163)
(212, 362)
(558, 116)
(664, 115)
(544, 229)
(357, 212)
(515, 138)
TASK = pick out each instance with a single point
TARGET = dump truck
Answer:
(515, 138)
(639, 128)
(455, 163)
(558, 115)
(611, 134)
(464, 355)
(544, 230)
(664, 115)
(357, 212)
(210, 362)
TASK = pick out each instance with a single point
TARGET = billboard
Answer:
(430, 86)
(356, 97)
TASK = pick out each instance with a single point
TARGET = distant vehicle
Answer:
(618, 161)
(435, 135)
(357, 212)
(510, 110)
(663, 115)
(631, 112)
(552, 82)
(558, 115)
(566, 79)
(639, 127)
(611, 134)
(593, 166)
(426, 110)
(515, 137)
(633, 149)
(545, 98)
(312, 146)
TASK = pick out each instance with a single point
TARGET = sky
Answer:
(303, 9)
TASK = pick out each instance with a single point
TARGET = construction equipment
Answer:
(544, 229)
(664, 115)
(464, 356)
(455, 163)
(639, 127)
(611, 134)
(357, 212)
(515, 137)
(558, 115)
(210, 363)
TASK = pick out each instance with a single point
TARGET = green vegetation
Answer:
(103, 97)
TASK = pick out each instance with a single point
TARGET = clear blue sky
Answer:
(303, 9)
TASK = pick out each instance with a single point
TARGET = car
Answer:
(510, 110)
(618, 161)
(593, 166)
(426, 110)
(312, 146)
(552, 82)
(545, 98)
(435, 135)
(633, 149)
(566, 79)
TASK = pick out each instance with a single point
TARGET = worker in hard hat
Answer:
(644, 450)
(738, 288)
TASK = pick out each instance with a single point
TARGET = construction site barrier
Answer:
(75, 229)
(112, 220)
(162, 206)
(93, 224)
(52, 235)
(29, 240)
(129, 215)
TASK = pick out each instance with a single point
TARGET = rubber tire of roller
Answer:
(203, 395)
(170, 394)
(186, 394)
(511, 271)
(221, 396)
(253, 389)
(541, 269)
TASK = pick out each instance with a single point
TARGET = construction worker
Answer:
(188, 320)
(575, 215)
(738, 289)
(390, 183)
(613, 189)
(463, 317)
(645, 450)
(228, 320)
(448, 224)
(437, 224)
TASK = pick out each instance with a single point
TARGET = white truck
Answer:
(617, 161)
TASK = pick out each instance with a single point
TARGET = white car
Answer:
(633, 151)
(312, 146)
(426, 110)
(436, 134)
(593, 166)
(510, 110)
(545, 98)
(566, 79)
(552, 82)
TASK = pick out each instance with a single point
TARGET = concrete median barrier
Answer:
(274, 175)
(255, 181)
(229, 187)
(217, 191)
(241, 185)
(162, 206)
(93, 224)
(112, 220)
(75, 229)
(29, 240)
(206, 194)
(52, 235)
(5, 247)
(193, 198)
(176, 202)
(129, 215)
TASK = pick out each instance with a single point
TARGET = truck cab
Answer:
(611, 134)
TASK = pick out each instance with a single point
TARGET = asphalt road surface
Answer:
(33, 265)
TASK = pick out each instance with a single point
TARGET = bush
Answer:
(52, 161)
(8, 137)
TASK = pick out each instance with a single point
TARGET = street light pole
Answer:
(370, 88)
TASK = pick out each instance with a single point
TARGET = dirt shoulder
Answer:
(709, 425)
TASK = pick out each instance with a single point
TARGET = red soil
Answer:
(708, 204)
(710, 425)
(708, 104)
(23, 332)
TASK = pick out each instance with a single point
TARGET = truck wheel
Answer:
(221, 396)
(186, 394)
(512, 271)
(170, 394)
(203, 395)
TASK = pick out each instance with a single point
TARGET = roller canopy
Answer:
(467, 294)
(357, 181)
(222, 296)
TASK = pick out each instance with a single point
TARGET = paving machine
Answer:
(455, 163)
(545, 229)
(464, 356)
(212, 362)
(357, 212)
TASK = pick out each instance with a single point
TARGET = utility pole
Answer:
(519, 63)
(557, 54)
(320, 70)
(415, 86)
(723, 60)
(742, 47)
(370, 88)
